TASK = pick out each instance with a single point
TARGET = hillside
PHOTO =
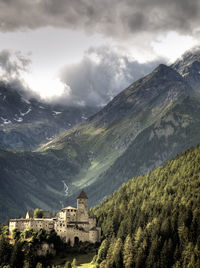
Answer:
(154, 219)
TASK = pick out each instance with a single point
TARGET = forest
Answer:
(154, 219)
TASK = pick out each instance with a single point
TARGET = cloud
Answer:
(102, 74)
(113, 18)
(12, 66)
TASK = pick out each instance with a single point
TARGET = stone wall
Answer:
(35, 224)
(93, 236)
(21, 225)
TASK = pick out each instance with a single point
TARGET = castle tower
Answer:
(82, 207)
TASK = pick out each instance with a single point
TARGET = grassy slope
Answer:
(83, 260)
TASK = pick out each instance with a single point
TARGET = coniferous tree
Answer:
(117, 253)
(102, 251)
(128, 253)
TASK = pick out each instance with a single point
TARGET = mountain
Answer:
(189, 67)
(173, 133)
(26, 124)
(119, 132)
(154, 219)
(142, 127)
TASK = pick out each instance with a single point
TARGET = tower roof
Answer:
(82, 195)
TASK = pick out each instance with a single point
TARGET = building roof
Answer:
(69, 207)
(82, 195)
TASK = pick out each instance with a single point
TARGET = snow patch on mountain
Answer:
(56, 113)
(27, 112)
(5, 120)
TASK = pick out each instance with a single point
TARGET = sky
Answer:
(84, 52)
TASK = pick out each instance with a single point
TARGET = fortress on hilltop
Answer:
(71, 223)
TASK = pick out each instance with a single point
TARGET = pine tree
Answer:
(102, 251)
(117, 253)
(128, 252)
(109, 257)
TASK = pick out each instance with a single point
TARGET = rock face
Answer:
(189, 67)
(25, 124)
(149, 122)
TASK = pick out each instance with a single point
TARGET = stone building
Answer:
(71, 224)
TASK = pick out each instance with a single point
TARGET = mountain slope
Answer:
(89, 155)
(175, 132)
(26, 124)
(110, 133)
(154, 219)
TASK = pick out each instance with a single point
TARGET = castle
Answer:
(71, 223)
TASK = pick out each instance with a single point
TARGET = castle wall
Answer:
(93, 236)
(45, 224)
(35, 224)
(92, 222)
(20, 224)
(72, 233)
(68, 215)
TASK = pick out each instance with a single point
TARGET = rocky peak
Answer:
(163, 73)
(154, 91)
(189, 67)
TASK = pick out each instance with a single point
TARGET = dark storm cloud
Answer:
(114, 17)
(101, 75)
(11, 66)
